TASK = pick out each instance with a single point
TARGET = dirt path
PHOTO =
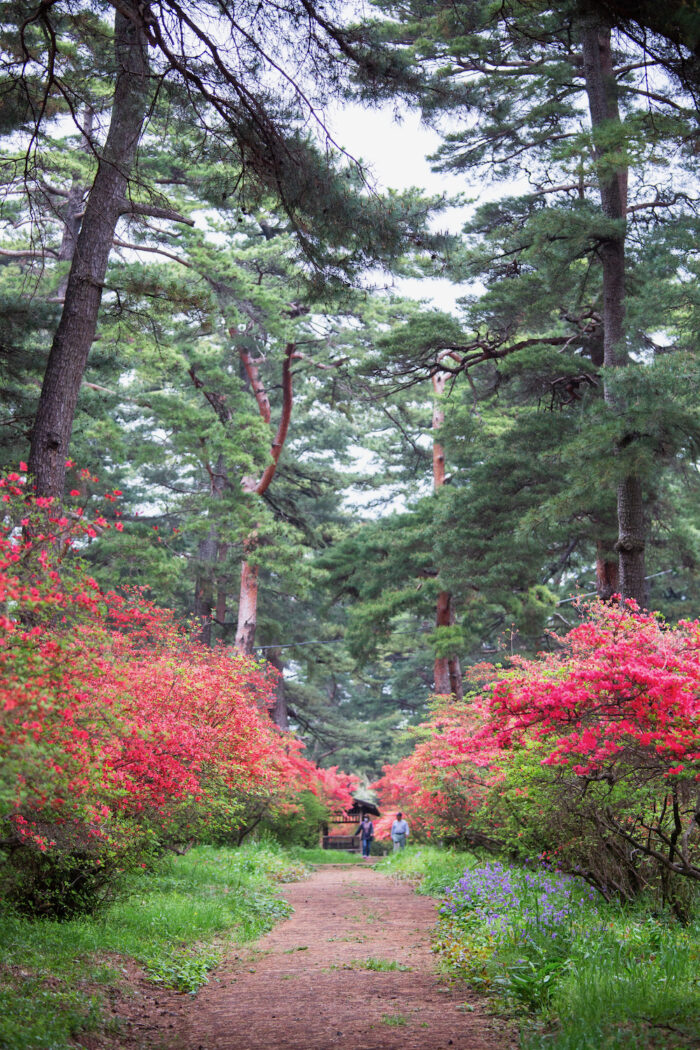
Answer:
(307, 985)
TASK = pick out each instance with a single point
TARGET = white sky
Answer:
(395, 151)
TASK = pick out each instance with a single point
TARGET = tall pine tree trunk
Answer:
(447, 672)
(247, 608)
(76, 329)
(248, 594)
(280, 715)
(601, 90)
(72, 210)
(208, 553)
(204, 584)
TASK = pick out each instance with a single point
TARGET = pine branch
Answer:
(153, 211)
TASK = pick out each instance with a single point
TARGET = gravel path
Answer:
(322, 979)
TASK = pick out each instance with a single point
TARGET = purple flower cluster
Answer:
(514, 901)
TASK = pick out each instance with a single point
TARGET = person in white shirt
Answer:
(399, 832)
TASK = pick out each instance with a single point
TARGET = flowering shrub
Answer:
(441, 785)
(624, 688)
(590, 753)
(119, 735)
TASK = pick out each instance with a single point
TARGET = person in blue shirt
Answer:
(399, 832)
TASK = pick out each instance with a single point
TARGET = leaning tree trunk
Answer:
(447, 672)
(105, 203)
(601, 90)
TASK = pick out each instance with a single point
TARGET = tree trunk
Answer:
(208, 553)
(204, 584)
(279, 712)
(72, 210)
(606, 573)
(447, 672)
(439, 381)
(455, 672)
(76, 329)
(248, 598)
(632, 540)
(247, 609)
(601, 90)
(210, 549)
(221, 594)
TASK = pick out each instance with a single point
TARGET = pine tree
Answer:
(520, 77)
(210, 66)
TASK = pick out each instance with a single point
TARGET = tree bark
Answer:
(601, 89)
(280, 714)
(447, 672)
(221, 593)
(72, 210)
(210, 549)
(76, 330)
(247, 609)
(631, 542)
(204, 584)
(606, 573)
(439, 382)
(248, 599)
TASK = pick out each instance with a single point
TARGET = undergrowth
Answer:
(175, 923)
(591, 975)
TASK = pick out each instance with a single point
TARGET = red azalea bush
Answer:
(623, 687)
(442, 784)
(591, 755)
(119, 735)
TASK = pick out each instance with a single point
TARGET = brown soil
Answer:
(306, 985)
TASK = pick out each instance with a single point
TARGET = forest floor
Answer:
(352, 967)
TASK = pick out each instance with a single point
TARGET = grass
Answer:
(395, 1020)
(589, 975)
(325, 856)
(430, 867)
(379, 965)
(176, 923)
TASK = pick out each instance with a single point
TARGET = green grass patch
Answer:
(395, 1020)
(380, 965)
(176, 922)
(588, 974)
(431, 867)
(325, 856)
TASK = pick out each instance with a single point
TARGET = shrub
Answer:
(120, 736)
(590, 754)
(297, 822)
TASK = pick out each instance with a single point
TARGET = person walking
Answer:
(367, 833)
(399, 832)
